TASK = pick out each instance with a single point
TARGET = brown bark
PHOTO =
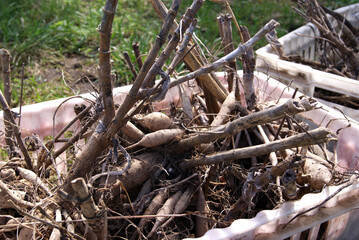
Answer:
(290, 107)
(248, 71)
(224, 22)
(130, 65)
(316, 136)
(136, 50)
(180, 53)
(242, 48)
(209, 82)
(105, 30)
(172, 44)
(101, 138)
(89, 209)
(6, 74)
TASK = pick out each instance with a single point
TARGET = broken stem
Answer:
(101, 138)
(105, 31)
(242, 48)
(6, 70)
(290, 107)
(319, 135)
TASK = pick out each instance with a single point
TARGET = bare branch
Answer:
(101, 139)
(318, 135)
(208, 82)
(6, 70)
(242, 48)
(105, 30)
(136, 50)
(290, 107)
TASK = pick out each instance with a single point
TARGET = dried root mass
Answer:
(141, 174)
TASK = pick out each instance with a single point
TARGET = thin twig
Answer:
(173, 42)
(21, 91)
(114, 173)
(129, 63)
(54, 225)
(13, 198)
(59, 106)
(251, 120)
(242, 48)
(17, 132)
(282, 122)
(348, 184)
(136, 50)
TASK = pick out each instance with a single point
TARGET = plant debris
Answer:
(336, 48)
(175, 172)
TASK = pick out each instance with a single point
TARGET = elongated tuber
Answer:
(155, 121)
(158, 138)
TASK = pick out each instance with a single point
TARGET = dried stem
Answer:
(136, 50)
(242, 48)
(6, 74)
(46, 157)
(319, 135)
(129, 63)
(254, 160)
(172, 44)
(131, 97)
(315, 14)
(290, 107)
(105, 30)
(341, 19)
(208, 82)
(21, 91)
(51, 224)
(17, 133)
(248, 71)
(103, 137)
(224, 22)
(272, 39)
(64, 129)
(89, 209)
(180, 53)
(77, 136)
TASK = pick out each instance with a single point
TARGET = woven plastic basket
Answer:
(302, 42)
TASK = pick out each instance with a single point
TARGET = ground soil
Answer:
(73, 71)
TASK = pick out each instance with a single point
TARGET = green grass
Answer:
(33, 30)
(36, 90)
(39, 32)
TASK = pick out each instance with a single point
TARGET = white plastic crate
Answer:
(302, 42)
(267, 224)
(338, 213)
